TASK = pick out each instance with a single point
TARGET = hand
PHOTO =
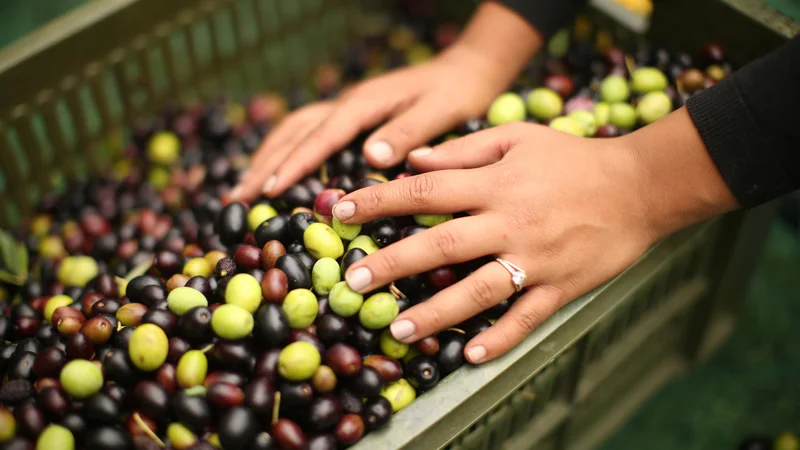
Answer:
(420, 102)
(571, 212)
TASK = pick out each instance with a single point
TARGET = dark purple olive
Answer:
(267, 364)
(274, 229)
(222, 376)
(48, 363)
(163, 319)
(324, 306)
(363, 339)
(322, 442)
(26, 327)
(22, 310)
(195, 325)
(192, 411)
(106, 306)
(219, 291)
(21, 366)
(351, 402)
(473, 326)
(107, 438)
(367, 382)
(225, 267)
(298, 274)
(324, 412)
(101, 409)
(289, 435)
(366, 182)
(377, 412)
(248, 257)
(296, 395)
(224, 395)
(152, 294)
(54, 402)
(343, 359)
(271, 326)
(232, 224)
(135, 287)
(298, 223)
(305, 336)
(200, 284)
(167, 263)
(151, 399)
(115, 391)
(117, 367)
(237, 429)
(298, 195)
(233, 355)
(332, 328)
(177, 347)
(350, 429)
(422, 372)
(260, 396)
(451, 351)
(30, 420)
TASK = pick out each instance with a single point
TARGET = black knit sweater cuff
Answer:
(547, 17)
(731, 136)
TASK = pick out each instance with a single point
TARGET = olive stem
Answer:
(138, 419)
(276, 408)
(457, 330)
(397, 292)
(207, 348)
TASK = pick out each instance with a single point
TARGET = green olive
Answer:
(8, 425)
(344, 301)
(191, 369)
(431, 220)
(346, 231)
(559, 44)
(378, 311)
(164, 148)
(400, 394)
(55, 302)
(260, 214)
(391, 347)
(602, 113)
(648, 79)
(180, 437)
(325, 274)
(365, 243)
(786, 441)
(232, 322)
(148, 347)
(298, 361)
(567, 125)
(197, 267)
(508, 107)
(158, 177)
(300, 307)
(245, 291)
(586, 119)
(545, 103)
(77, 270)
(614, 88)
(55, 437)
(623, 115)
(322, 241)
(653, 106)
(185, 298)
(81, 378)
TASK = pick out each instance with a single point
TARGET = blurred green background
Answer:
(750, 386)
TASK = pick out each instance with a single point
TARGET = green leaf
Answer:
(140, 270)
(14, 255)
(10, 278)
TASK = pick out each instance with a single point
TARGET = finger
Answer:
(418, 125)
(339, 129)
(474, 150)
(527, 313)
(430, 193)
(452, 242)
(486, 287)
(259, 178)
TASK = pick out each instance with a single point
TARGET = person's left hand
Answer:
(571, 212)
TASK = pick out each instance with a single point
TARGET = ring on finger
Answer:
(517, 273)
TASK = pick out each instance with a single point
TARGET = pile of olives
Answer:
(155, 313)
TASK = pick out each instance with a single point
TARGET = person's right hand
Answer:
(418, 103)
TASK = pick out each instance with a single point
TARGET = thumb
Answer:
(418, 125)
(472, 151)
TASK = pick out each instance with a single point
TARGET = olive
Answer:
(98, 330)
(363, 339)
(192, 369)
(324, 275)
(222, 287)
(376, 413)
(225, 267)
(248, 257)
(107, 438)
(324, 379)
(756, 443)
(56, 436)
(324, 412)
(197, 266)
(271, 325)
(151, 399)
(260, 213)
(118, 368)
(343, 359)
(135, 287)
(18, 443)
(148, 347)
(26, 310)
(350, 429)
(232, 322)
(166, 375)
(321, 241)
(8, 425)
(260, 396)
(295, 399)
(48, 362)
(180, 436)
(270, 253)
(306, 259)
(451, 351)
(267, 364)
(786, 441)
(167, 263)
(30, 420)
(262, 441)
(384, 231)
(622, 115)
(115, 391)
(296, 247)
(429, 345)
(28, 326)
(391, 347)
(55, 402)
(648, 79)
(237, 428)
(344, 301)
(346, 231)
(81, 378)
(55, 302)
(400, 394)
(100, 408)
(274, 229)
(298, 223)
(130, 315)
(233, 355)
(351, 402)
(653, 106)
(378, 311)
(332, 328)
(365, 243)
(177, 348)
(389, 369)
(300, 307)
(274, 286)
(508, 107)
(225, 395)
(498, 310)
(367, 382)
(288, 434)
(176, 281)
(295, 270)
(232, 224)
(442, 277)
(307, 336)
(244, 291)
(422, 372)
(163, 319)
(471, 328)
(6, 353)
(352, 255)
(21, 366)
(200, 284)
(298, 361)
(77, 270)
(195, 324)
(29, 345)
(192, 411)
(74, 423)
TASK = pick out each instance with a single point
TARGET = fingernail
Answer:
(236, 192)
(421, 152)
(476, 354)
(402, 329)
(344, 210)
(358, 279)
(381, 151)
(270, 184)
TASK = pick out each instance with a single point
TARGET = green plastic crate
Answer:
(70, 89)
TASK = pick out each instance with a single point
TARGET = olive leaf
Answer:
(14, 255)
(137, 271)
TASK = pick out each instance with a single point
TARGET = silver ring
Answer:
(517, 274)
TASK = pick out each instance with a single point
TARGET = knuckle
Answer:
(527, 321)
(388, 262)
(433, 319)
(481, 293)
(444, 242)
(420, 189)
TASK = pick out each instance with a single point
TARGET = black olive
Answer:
(260, 396)
(322, 442)
(192, 411)
(377, 412)
(298, 224)
(296, 395)
(276, 228)
(118, 368)
(100, 408)
(151, 399)
(74, 423)
(351, 403)
(451, 351)
(363, 339)
(232, 224)
(135, 288)
(233, 355)
(271, 326)
(295, 247)
(332, 328)
(344, 183)
(352, 255)
(107, 438)
(123, 337)
(20, 366)
(306, 259)
(324, 412)
(473, 326)
(238, 429)
(367, 382)
(422, 372)
(384, 231)
(298, 195)
(298, 274)
(200, 284)
(264, 441)
(195, 324)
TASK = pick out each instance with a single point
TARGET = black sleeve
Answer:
(750, 123)
(546, 16)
